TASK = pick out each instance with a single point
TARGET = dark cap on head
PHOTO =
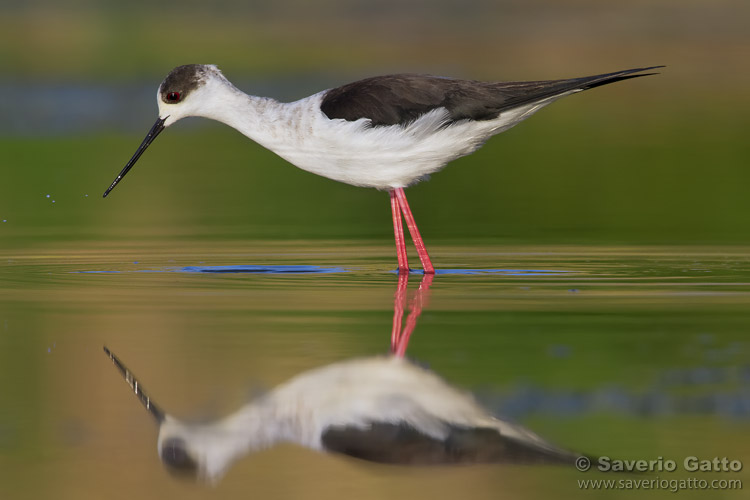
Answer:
(182, 80)
(176, 458)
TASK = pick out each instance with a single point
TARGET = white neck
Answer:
(215, 446)
(264, 120)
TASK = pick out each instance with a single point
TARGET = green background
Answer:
(658, 160)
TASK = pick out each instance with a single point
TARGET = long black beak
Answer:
(155, 130)
(157, 413)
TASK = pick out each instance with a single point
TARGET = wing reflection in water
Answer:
(382, 409)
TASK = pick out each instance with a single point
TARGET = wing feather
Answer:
(401, 99)
(401, 443)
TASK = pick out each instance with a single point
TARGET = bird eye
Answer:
(173, 97)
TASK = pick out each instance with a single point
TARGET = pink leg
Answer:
(412, 225)
(398, 309)
(398, 231)
(418, 302)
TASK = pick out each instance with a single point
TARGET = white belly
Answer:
(383, 157)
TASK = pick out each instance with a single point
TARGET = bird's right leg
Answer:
(398, 231)
(399, 303)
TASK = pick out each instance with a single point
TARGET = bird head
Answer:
(202, 452)
(194, 451)
(183, 93)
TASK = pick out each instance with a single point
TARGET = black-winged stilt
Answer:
(382, 409)
(386, 132)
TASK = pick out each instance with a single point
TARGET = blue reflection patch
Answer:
(261, 269)
(505, 272)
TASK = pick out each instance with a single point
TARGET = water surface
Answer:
(635, 352)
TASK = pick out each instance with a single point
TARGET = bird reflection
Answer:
(383, 409)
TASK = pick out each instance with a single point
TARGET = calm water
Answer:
(630, 352)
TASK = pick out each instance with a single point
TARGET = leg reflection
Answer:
(400, 336)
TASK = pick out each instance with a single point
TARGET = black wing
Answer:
(400, 99)
(403, 444)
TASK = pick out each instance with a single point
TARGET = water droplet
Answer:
(47, 196)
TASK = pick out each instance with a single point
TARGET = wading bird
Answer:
(382, 409)
(386, 132)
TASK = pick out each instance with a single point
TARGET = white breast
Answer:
(354, 152)
(383, 157)
(383, 389)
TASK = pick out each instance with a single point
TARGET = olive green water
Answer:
(637, 353)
